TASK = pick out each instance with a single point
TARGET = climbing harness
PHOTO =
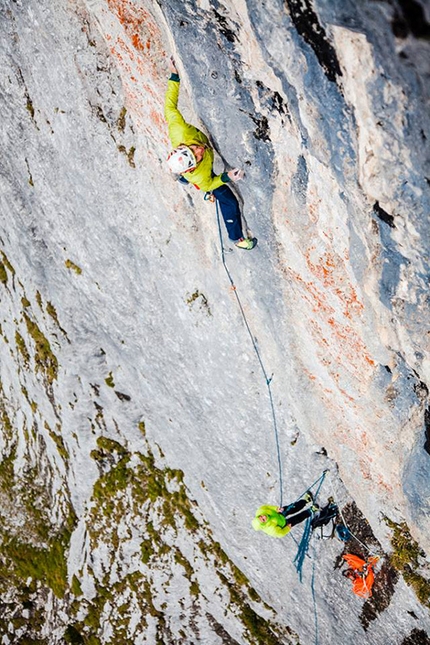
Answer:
(257, 352)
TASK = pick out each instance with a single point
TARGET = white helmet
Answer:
(181, 160)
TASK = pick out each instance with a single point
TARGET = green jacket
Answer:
(181, 132)
(276, 525)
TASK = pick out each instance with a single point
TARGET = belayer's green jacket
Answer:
(276, 525)
(181, 132)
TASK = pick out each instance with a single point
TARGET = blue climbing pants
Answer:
(230, 210)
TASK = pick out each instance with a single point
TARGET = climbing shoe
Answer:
(308, 497)
(315, 508)
(246, 243)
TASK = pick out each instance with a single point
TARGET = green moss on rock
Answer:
(121, 119)
(147, 550)
(6, 422)
(76, 587)
(72, 636)
(22, 349)
(5, 264)
(198, 297)
(7, 474)
(51, 311)
(49, 565)
(3, 273)
(59, 442)
(406, 559)
(109, 380)
(189, 572)
(71, 265)
(134, 491)
(129, 154)
(45, 359)
(30, 107)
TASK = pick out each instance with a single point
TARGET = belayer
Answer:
(277, 521)
(192, 159)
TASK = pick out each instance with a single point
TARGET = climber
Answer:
(277, 521)
(192, 159)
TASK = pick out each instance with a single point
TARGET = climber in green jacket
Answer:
(192, 159)
(277, 521)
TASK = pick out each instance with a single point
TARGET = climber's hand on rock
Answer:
(236, 174)
(172, 66)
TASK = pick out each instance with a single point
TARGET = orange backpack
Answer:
(361, 574)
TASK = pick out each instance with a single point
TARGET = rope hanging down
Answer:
(314, 600)
(306, 536)
(257, 352)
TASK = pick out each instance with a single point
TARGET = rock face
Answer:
(140, 429)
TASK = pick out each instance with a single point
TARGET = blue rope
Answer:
(319, 480)
(307, 531)
(315, 602)
(257, 352)
(303, 547)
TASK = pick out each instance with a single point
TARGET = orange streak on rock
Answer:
(138, 52)
(330, 269)
(157, 119)
(338, 343)
(137, 43)
(383, 484)
(133, 19)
